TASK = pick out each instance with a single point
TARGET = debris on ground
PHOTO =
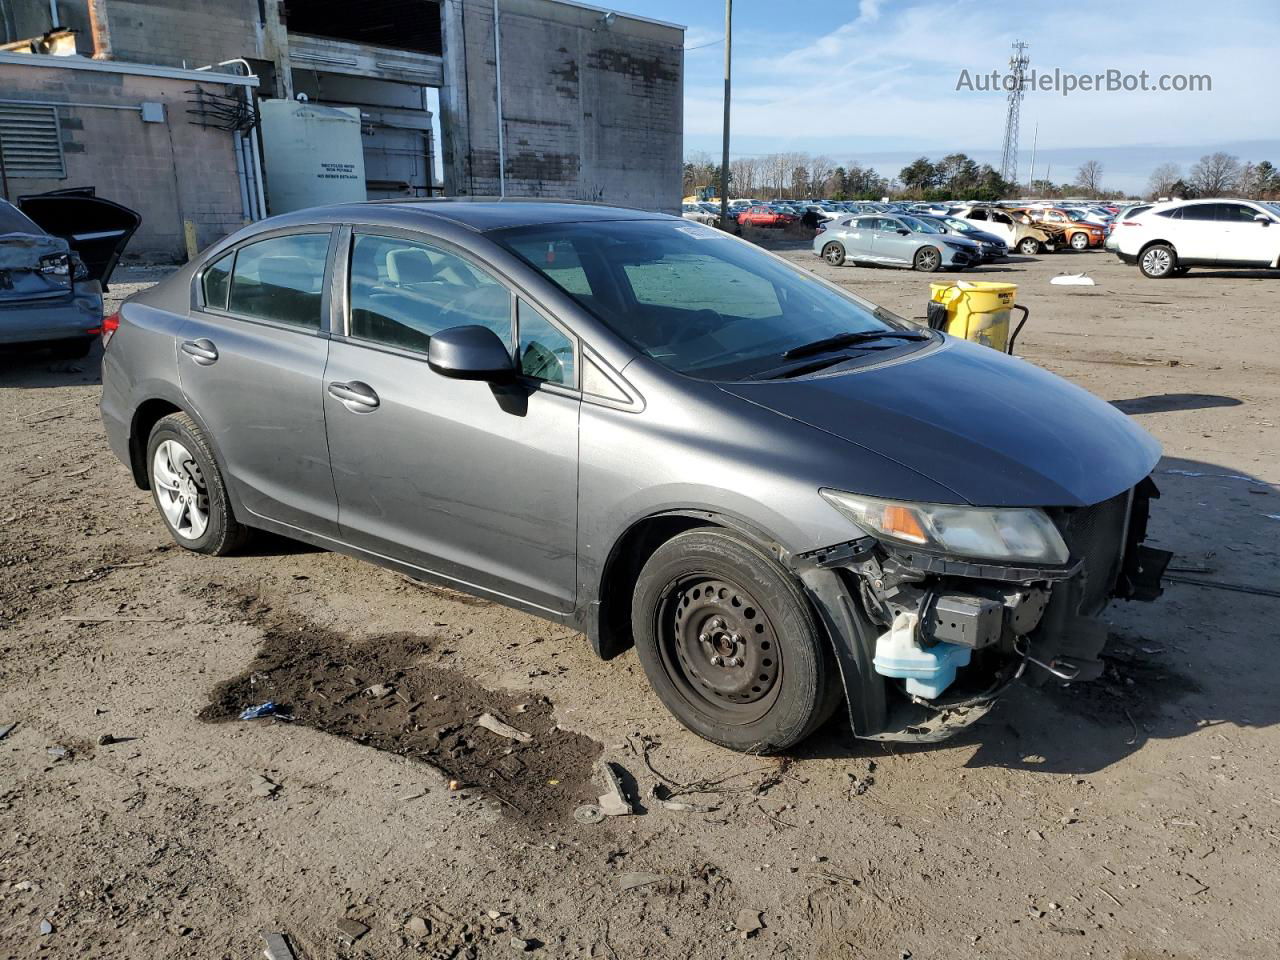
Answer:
(665, 798)
(491, 723)
(6, 729)
(349, 931)
(46, 928)
(613, 802)
(417, 927)
(380, 690)
(1072, 280)
(261, 710)
(523, 945)
(630, 881)
(588, 813)
(277, 946)
(749, 923)
(858, 785)
(263, 787)
(57, 753)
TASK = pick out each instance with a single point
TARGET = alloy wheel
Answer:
(1079, 241)
(928, 259)
(1156, 262)
(833, 253)
(180, 490)
(719, 648)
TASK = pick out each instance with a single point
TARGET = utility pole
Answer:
(724, 157)
(1031, 179)
(1017, 70)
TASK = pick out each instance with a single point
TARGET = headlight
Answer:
(984, 533)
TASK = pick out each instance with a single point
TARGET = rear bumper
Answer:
(34, 321)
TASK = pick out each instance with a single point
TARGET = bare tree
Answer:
(1089, 177)
(1215, 174)
(821, 169)
(1163, 179)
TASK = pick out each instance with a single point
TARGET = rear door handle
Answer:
(356, 396)
(201, 351)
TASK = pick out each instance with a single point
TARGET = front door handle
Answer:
(356, 396)
(202, 351)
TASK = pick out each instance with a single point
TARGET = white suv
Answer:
(1170, 238)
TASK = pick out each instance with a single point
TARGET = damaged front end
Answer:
(927, 640)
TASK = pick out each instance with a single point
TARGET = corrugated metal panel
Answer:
(31, 141)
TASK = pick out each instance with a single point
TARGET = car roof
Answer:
(480, 213)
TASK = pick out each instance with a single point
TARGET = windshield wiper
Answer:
(848, 340)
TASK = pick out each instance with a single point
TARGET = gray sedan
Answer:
(893, 241)
(782, 496)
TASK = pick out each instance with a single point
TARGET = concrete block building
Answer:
(542, 98)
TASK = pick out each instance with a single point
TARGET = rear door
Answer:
(251, 362)
(473, 482)
(1196, 232)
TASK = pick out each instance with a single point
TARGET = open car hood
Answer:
(97, 230)
(995, 430)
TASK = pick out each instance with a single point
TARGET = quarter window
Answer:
(216, 282)
(402, 292)
(546, 352)
(281, 279)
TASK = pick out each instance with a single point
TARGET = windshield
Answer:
(959, 225)
(691, 297)
(920, 226)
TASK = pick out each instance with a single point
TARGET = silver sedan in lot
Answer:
(783, 496)
(894, 241)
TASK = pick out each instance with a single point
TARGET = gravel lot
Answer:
(1132, 818)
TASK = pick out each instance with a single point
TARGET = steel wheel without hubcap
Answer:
(719, 649)
(1157, 262)
(928, 259)
(180, 490)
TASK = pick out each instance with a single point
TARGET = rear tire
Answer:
(927, 260)
(1158, 261)
(188, 489)
(730, 644)
(833, 253)
(1029, 246)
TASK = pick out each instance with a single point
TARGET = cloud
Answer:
(886, 78)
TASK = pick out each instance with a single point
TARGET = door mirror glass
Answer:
(470, 352)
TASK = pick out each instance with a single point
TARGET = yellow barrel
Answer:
(977, 310)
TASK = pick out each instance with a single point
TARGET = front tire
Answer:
(1079, 241)
(927, 260)
(730, 644)
(1158, 262)
(188, 489)
(833, 253)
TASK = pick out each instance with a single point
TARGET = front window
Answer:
(921, 226)
(690, 297)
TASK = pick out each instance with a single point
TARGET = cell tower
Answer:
(1017, 73)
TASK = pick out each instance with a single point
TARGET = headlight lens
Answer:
(1023, 534)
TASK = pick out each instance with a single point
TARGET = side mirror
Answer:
(470, 353)
(1262, 218)
(904, 231)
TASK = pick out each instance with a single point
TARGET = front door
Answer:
(893, 243)
(1243, 239)
(251, 360)
(472, 482)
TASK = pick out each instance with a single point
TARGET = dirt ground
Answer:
(1132, 818)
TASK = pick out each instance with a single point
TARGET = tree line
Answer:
(795, 176)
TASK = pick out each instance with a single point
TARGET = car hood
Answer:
(995, 430)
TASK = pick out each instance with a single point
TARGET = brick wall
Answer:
(168, 172)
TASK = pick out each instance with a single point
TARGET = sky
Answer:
(875, 81)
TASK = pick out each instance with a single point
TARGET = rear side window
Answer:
(281, 279)
(403, 291)
(217, 281)
(1201, 211)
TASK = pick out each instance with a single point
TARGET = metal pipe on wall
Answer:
(497, 63)
(100, 29)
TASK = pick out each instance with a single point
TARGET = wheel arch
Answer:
(610, 630)
(145, 417)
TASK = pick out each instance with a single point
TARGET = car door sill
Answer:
(335, 545)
